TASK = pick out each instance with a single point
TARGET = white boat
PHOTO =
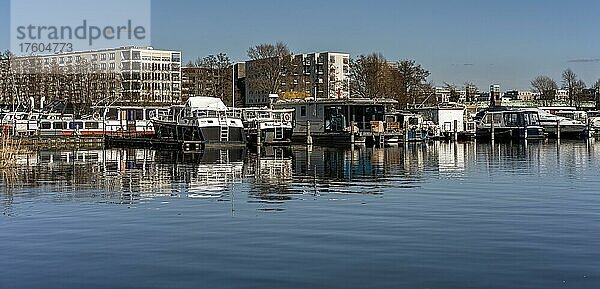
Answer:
(274, 126)
(510, 124)
(201, 119)
(569, 127)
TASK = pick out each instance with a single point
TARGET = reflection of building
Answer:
(324, 75)
(147, 74)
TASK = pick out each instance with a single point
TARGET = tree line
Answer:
(370, 76)
(575, 87)
(77, 87)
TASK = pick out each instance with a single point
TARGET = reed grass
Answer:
(10, 148)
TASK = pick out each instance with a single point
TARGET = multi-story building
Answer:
(319, 75)
(495, 96)
(471, 92)
(523, 95)
(146, 74)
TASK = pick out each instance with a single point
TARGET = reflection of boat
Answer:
(201, 119)
(510, 124)
(269, 126)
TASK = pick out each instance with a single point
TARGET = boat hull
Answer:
(508, 133)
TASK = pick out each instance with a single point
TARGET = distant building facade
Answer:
(522, 95)
(146, 74)
(320, 75)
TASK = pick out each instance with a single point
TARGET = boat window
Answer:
(150, 113)
(76, 125)
(135, 114)
(59, 125)
(413, 121)
(45, 125)
(511, 119)
(111, 114)
(91, 125)
(210, 121)
(303, 111)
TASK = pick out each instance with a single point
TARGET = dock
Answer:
(153, 143)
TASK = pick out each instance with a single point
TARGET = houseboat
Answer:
(337, 121)
(510, 124)
(268, 126)
(202, 118)
(448, 117)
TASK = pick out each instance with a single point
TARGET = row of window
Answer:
(69, 125)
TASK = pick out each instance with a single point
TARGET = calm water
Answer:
(423, 216)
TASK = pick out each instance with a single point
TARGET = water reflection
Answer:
(276, 175)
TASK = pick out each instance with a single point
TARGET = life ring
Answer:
(96, 116)
(286, 117)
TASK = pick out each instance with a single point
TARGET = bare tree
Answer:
(369, 76)
(545, 86)
(211, 75)
(411, 78)
(269, 63)
(569, 79)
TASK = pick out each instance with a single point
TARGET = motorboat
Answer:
(202, 118)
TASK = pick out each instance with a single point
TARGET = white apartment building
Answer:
(147, 74)
(320, 75)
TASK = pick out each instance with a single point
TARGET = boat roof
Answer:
(206, 102)
(342, 101)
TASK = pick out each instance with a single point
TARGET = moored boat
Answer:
(510, 124)
(201, 118)
(268, 126)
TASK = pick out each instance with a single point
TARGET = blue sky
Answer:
(507, 42)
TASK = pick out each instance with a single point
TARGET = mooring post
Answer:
(309, 140)
(526, 132)
(352, 132)
(258, 136)
(405, 131)
(557, 128)
(455, 130)
(493, 131)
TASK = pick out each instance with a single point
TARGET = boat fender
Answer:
(286, 117)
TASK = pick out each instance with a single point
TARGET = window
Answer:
(45, 125)
(303, 111)
(176, 57)
(103, 65)
(59, 125)
(112, 66)
(91, 125)
(76, 125)
(112, 56)
(95, 57)
(103, 56)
